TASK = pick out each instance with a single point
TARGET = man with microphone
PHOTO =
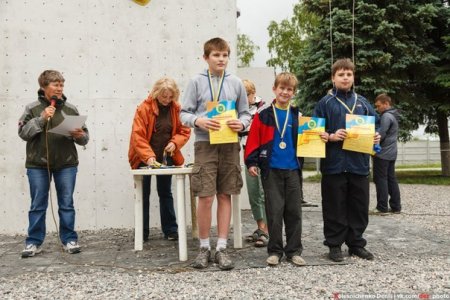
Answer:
(50, 157)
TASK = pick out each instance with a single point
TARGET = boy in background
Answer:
(217, 170)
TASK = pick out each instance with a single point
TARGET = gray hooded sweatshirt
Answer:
(198, 92)
(389, 132)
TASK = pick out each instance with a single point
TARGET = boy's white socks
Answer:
(204, 243)
(221, 244)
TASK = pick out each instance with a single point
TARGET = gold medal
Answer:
(282, 145)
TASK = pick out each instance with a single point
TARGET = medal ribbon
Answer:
(285, 121)
(214, 96)
(345, 105)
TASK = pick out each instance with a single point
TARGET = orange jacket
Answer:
(143, 128)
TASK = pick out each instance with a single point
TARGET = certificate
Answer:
(69, 123)
(309, 143)
(360, 133)
(222, 111)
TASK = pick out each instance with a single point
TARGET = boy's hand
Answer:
(324, 136)
(338, 136)
(377, 138)
(253, 171)
(207, 124)
(235, 125)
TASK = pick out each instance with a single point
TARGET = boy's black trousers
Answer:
(345, 209)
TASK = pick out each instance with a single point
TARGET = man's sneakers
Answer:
(377, 212)
(31, 250)
(296, 260)
(336, 254)
(72, 247)
(360, 252)
(173, 236)
(223, 260)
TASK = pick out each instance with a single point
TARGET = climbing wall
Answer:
(110, 53)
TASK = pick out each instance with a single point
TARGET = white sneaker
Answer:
(273, 260)
(72, 247)
(31, 250)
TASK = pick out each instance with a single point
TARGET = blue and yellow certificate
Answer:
(309, 143)
(222, 111)
(360, 133)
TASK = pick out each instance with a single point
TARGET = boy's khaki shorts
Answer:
(216, 170)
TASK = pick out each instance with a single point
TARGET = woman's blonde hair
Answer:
(165, 84)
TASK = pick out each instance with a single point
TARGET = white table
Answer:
(180, 174)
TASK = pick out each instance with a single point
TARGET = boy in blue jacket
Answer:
(345, 182)
(271, 146)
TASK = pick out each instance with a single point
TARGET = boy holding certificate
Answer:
(216, 170)
(345, 183)
(271, 147)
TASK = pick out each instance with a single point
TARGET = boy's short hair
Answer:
(217, 44)
(342, 63)
(383, 98)
(50, 76)
(249, 86)
(286, 78)
(165, 84)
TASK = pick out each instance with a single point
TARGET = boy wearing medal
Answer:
(345, 183)
(271, 147)
(216, 170)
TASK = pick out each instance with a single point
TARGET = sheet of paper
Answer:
(309, 143)
(222, 111)
(69, 124)
(360, 133)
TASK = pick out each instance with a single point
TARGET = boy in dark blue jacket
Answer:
(271, 146)
(345, 183)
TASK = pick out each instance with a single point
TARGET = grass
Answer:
(417, 166)
(429, 177)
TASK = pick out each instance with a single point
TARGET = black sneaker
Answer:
(173, 236)
(336, 254)
(360, 252)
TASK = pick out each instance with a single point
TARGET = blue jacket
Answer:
(338, 160)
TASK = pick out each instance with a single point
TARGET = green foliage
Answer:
(246, 49)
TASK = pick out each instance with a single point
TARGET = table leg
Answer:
(138, 214)
(193, 211)
(181, 218)
(237, 228)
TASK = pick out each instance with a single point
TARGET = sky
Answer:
(256, 16)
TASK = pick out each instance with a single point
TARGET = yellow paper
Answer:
(360, 133)
(309, 143)
(222, 111)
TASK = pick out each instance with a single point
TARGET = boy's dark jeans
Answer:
(282, 191)
(386, 184)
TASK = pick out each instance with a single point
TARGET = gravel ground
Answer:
(406, 274)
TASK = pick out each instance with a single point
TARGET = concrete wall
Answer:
(263, 78)
(110, 53)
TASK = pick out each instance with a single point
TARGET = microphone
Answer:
(53, 101)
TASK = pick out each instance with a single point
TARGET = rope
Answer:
(353, 34)
(331, 34)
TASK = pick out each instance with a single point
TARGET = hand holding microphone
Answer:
(49, 111)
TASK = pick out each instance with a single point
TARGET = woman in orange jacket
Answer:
(157, 137)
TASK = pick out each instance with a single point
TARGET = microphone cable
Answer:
(50, 182)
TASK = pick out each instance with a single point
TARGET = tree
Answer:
(401, 47)
(245, 50)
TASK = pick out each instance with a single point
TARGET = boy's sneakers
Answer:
(223, 260)
(31, 250)
(202, 259)
(273, 260)
(336, 254)
(72, 247)
(297, 260)
(360, 252)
